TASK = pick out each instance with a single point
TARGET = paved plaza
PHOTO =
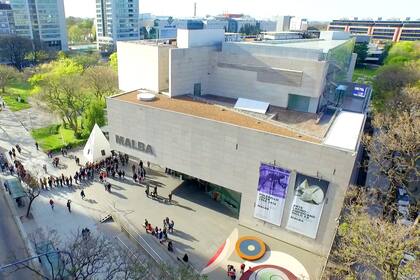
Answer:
(202, 225)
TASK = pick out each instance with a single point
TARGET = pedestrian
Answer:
(82, 194)
(242, 268)
(171, 226)
(170, 197)
(36, 145)
(148, 164)
(170, 246)
(69, 205)
(123, 174)
(155, 191)
(45, 168)
(52, 204)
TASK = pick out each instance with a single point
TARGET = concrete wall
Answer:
(190, 66)
(230, 156)
(199, 38)
(142, 66)
(240, 72)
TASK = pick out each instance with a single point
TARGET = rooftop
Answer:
(305, 44)
(303, 126)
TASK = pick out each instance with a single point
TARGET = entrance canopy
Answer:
(97, 146)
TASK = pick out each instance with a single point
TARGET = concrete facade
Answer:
(143, 66)
(230, 156)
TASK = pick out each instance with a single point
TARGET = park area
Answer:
(54, 137)
(17, 95)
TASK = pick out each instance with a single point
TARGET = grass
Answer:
(364, 75)
(54, 137)
(22, 89)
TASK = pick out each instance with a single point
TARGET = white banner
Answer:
(308, 203)
(271, 195)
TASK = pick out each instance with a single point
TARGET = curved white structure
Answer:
(144, 95)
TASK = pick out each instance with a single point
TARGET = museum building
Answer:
(273, 127)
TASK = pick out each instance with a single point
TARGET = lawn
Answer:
(364, 75)
(54, 137)
(13, 91)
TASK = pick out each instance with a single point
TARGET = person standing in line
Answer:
(69, 205)
(82, 194)
(52, 204)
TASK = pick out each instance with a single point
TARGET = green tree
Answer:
(403, 52)
(361, 49)
(14, 49)
(113, 61)
(7, 75)
(94, 114)
(87, 60)
(60, 86)
(249, 29)
(101, 80)
(389, 81)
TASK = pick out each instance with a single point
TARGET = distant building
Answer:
(42, 21)
(283, 23)
(267, 25)
(393, 30)
(116, 21)
(298, 24)
(285, 35)
(7, 23)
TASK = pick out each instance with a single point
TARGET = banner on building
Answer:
(308, 202)
(271, 195)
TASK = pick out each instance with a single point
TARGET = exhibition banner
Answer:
(271, 196)
(308, 202)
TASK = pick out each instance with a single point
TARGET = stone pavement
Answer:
(200, 228)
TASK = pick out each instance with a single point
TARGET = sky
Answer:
(311, 9)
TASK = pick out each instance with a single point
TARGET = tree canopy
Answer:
(80, 31)
(361, 50)
(7, 75)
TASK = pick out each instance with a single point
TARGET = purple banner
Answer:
(273, 180)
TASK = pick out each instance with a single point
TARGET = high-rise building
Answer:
(116, 20)
(283, 23)
(42, 21)
(7, 23)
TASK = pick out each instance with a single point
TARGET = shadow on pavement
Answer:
(190, 191)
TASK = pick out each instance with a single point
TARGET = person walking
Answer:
(36, 145)
(69, 205)
(82, 194)
(52, 204)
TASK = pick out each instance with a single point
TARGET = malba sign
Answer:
(133, 144)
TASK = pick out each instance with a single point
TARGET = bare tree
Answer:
(101, 80)
(14, 49)
(84, 256)
(7, 75)
(395, 145)
(369, 247)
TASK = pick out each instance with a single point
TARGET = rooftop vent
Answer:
(144, 95)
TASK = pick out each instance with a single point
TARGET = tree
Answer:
(361, 49)
(60, 86)
(403, 52)
(102, 80)
(14, 49)
(32, 192)
(395, 146)
(249, 29)
(84, 256)
(369, 247)
(87, 60)
(7, 75)
(389, 81)
(113, 61)
(94, 114)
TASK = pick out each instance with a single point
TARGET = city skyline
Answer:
(324, 10)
